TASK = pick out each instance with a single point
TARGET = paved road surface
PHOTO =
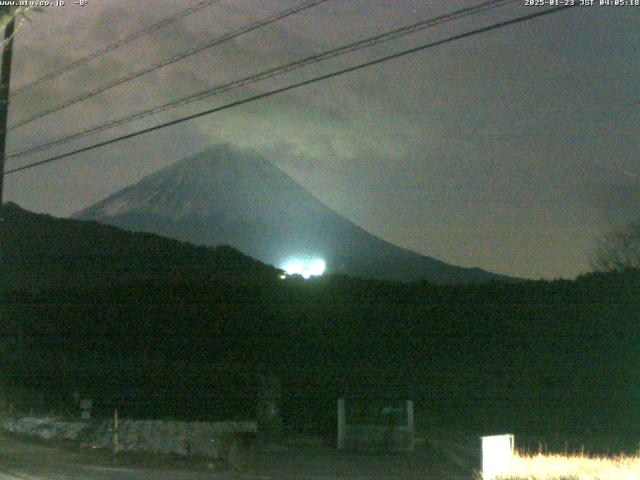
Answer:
(24, 461)
(20, 460)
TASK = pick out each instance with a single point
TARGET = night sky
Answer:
(511, 151)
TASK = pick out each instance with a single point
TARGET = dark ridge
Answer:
(157, 327)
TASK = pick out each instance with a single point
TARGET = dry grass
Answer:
(578, 467)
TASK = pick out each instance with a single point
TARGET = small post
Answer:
(410, 427)
(342, 423)
(116, 446)
(85, 408)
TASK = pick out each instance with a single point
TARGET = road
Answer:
(23, 460)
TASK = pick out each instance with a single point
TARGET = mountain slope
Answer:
(230, 196)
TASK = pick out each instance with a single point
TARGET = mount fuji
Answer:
(226, 195)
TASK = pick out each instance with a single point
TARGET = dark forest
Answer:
(158, 327)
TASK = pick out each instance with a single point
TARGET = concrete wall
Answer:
(44, 427)
(364, 436)
(156, 436)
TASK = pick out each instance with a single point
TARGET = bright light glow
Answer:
(312, 267)
(497, 453)
(294, 268)
(317, 267)
(549, 467)
(500, 460)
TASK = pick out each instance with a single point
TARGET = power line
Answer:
(273, 72)
(109, 48)
(317, 79)
(173, 59)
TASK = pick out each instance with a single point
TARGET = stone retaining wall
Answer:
(155, 436)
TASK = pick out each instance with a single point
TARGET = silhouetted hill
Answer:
(158, 327)
(91, 255)
(229, 196)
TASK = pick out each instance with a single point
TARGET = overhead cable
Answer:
(171, 60)
(272, 72)
(113, 46)
(277, 91)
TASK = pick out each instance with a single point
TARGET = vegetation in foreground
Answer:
(163, 329)
(579, 467)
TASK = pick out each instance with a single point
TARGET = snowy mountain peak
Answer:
(226, 195)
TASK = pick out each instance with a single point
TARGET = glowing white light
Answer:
(307, 268)
(317, 267)
(294, 268)
(497, 453)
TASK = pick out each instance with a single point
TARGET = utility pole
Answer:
(5, 79)
(5, 76)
